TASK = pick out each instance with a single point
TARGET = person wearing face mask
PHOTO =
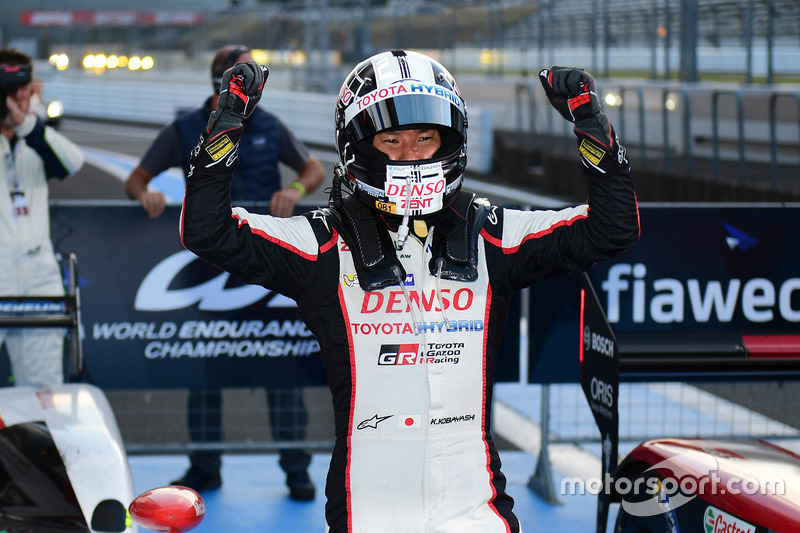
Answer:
(32, 153)
(406, 277)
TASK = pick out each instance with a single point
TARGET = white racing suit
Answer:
(410, 366)
(28, 266)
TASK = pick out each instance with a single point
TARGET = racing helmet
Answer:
(401, 90)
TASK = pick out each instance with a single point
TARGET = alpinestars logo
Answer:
(372, 422)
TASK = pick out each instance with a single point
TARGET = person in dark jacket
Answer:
(265, 143)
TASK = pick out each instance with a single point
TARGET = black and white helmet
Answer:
(400, 90)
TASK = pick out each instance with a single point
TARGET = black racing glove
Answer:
(571, 92)
(240, 92)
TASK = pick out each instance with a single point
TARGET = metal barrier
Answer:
(715, 131)
(156, 101)
(642, 140)
(703, 130)
(773, 136)
(524, 100)
(687, 128)
(155, 421)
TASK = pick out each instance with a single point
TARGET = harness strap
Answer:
(455, 240)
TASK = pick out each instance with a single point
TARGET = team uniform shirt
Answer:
(410, 367)
(28, 265)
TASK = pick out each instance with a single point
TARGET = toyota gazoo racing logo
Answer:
(398, 354)
(413, 354)
(155, 294)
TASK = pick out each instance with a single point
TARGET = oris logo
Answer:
(602, 392)
(155, 294)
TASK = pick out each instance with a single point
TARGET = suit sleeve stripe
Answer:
(293, 234)
(534, 225)
(331, 242)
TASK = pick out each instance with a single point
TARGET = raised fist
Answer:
(571, 92)
(241, 88)
(240, 92)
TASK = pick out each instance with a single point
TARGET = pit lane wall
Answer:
(155, 316)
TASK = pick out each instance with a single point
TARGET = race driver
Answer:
(405, 279)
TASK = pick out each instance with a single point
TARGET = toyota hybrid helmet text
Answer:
(400, 90)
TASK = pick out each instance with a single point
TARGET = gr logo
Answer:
(398, 354)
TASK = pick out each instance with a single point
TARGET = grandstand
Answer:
(639, 22)
(354, 27)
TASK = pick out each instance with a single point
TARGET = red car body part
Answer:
(172, 509)
(735, 461)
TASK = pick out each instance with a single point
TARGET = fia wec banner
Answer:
(697, 269)
(154, 315)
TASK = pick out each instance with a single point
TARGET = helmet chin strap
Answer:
(402, 231)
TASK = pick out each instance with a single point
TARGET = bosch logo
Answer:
(602, 344)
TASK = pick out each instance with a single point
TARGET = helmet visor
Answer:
(406, 110)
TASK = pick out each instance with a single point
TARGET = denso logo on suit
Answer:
(426, 300)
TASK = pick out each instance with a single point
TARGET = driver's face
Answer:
(408, 145)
